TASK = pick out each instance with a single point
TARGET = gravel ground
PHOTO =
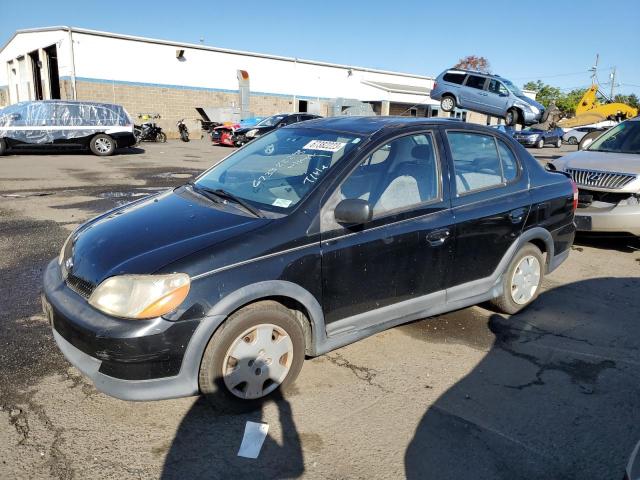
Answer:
(550, 393)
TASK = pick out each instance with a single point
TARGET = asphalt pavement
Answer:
(550, 393)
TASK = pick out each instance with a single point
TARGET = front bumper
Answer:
(606, 217)
(527, 140)
(531, 118)
(128, 359)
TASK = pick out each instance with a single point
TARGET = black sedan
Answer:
(354, 226)
(535, 137)
(245, 135)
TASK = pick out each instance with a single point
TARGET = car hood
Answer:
(603, 161)
(146, 235)
(531, 101)
(261, 130)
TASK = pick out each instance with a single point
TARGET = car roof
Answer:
(474, 72)
(371, 125)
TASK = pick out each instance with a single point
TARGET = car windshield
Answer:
(624, 138)
(270, 121)
(512, 87)
(276, 171)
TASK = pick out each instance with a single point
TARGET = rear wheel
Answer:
(448, 103)
(558, 143)
(255, 352)
(540, 143)
(161, 137)
(3, 146)
(102, 145)
(511, 118)
(521, 282)
(572, 141)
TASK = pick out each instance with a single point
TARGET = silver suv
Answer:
(608, 178)
(488, 94)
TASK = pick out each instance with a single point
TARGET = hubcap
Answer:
(447, 104)
(525, 280)
(257, 361)
(103, 145)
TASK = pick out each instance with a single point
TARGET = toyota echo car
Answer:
(224, 285)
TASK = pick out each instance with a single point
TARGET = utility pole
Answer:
(613, 82)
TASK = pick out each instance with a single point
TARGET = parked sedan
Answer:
(573, 136)
(355, 225)
(246, 134)
(534, 137)
(608, 176)
(99, 127)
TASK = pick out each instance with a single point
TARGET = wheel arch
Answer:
(541, 238)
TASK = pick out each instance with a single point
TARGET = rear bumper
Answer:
(128, 359)
(608, 218)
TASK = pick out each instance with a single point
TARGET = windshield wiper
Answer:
(230, 196)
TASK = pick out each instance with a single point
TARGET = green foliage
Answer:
(547, 94)
(631, 100)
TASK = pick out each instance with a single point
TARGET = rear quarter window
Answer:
(453, 77)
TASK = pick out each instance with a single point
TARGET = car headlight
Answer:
(251, 133)
(61, 259)
(141, 296)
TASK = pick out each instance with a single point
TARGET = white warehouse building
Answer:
(177, 80)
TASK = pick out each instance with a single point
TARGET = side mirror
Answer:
(353, 211)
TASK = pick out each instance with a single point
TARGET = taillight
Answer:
(574, 187)
(435, 84)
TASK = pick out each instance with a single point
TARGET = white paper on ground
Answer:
(254, 435)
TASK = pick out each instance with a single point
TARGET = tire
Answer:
(588, 139)
(545, 116)
(511, 118)
(514, 298)
(540, 143)
(184, 136)
(138, 134)
(572, 141)
(3, 147)
(559, 143)
(232, 335)
(269, 149)
(102, 145)
(161, 137)
(448, 103)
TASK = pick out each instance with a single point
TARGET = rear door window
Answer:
(475, 81)
(480, 162)
(454, 77)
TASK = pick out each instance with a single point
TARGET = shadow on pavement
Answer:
(207, 441)
(557, 395)
(620, 242)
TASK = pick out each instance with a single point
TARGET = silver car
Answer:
(486, 93)
(608, 177)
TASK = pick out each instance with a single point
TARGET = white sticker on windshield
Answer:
(324, 145)
(281, 202)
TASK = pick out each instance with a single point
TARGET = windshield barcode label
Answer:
(324, 146)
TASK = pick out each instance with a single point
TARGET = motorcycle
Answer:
(184, 131)
(149, 131)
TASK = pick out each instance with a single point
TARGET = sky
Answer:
(553, 41)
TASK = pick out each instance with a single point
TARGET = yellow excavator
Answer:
(590, 110)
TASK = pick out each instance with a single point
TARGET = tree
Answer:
(631, 100)
(546, 94)
(474, 62)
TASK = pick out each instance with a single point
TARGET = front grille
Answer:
(80, 286)
(598, 179)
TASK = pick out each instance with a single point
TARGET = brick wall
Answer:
(173, 104)
(4, 97)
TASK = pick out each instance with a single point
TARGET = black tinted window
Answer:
(475, 82)
(509, 162)
(454, 77)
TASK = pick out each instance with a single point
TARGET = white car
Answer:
(607, 173)
(573, 137)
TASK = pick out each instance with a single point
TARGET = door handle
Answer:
(438, 237)
(517, 215)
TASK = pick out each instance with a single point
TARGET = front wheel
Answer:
(572, 141)
(558, 143)
(522, 280)
(184, 136)
(3, 146)
(255, 352)
(102, 145)
(161, 137)
(511, 118)
(448, 103)
(540, 143)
